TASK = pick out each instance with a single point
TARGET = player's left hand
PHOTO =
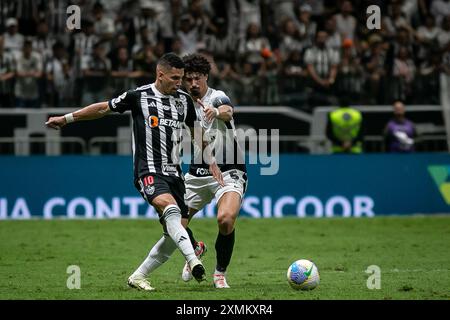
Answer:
(210, 112)
(216, 173)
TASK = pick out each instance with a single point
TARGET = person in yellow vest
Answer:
(345, 129)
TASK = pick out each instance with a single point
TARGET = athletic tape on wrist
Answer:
(69, 117)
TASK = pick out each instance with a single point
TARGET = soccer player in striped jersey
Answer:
(158, 111)
(215, 110)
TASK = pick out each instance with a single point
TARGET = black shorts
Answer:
(153, 185)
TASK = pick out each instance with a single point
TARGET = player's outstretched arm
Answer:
(91, 112)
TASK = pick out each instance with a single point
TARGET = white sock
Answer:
(159, 254)
(179, 235)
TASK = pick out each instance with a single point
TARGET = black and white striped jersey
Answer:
(157, 123)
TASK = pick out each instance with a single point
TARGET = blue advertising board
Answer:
(304, 186)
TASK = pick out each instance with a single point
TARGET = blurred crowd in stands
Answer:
(297, 53)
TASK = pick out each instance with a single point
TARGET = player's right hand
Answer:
(56, 122)
(210, 112)
(216, 173)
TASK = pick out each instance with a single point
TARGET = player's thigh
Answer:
(156, 190)
(199, 192)
(228, 206)
(229, 197)
(234, 181)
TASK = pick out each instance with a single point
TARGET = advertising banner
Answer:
(100, 187)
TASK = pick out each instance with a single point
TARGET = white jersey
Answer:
(221, 133)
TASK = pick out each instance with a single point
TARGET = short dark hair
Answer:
(171, 60)
(196, 63)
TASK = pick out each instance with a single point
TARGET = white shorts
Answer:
(201, 190)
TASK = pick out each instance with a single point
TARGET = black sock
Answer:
(224, 250)
(191, 237)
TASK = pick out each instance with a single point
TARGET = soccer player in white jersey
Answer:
(158, 110)
(215, 111)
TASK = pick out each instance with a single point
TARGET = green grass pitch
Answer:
(413, 254)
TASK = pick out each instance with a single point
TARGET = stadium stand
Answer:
(263, 53)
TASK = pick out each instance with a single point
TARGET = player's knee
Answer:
(226, 223)
(162, 202)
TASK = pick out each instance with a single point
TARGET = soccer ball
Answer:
(303, 275)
